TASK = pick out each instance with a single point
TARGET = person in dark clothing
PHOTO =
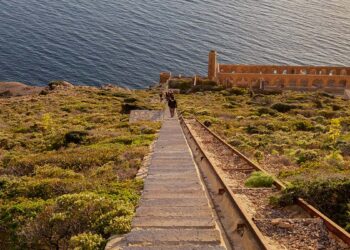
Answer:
(167, 96)
(172, 105)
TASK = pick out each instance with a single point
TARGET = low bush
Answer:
(267, 111)
(76, 137)
(253, 129)
(128, 107)
(259, 179)
(237, 91)
(306, 155)
(304, 125)
(283, 107)
(71, 215)
(335, 159)
(86, 241)
(182, 84)
(330, 196)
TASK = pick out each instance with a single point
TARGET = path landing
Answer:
(174, 211)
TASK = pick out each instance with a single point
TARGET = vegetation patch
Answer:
(259, 179)
(68, 162)
(299, 137)
(329, 196)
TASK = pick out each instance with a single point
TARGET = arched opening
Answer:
(255, 83)
(331, 83)
(304, 83)
(242, 82)
(292, 83)
(292, 71)
(280, 83)
(317, 83)
(342, 83)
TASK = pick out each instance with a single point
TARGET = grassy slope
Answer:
(67, 166)
(302, 138)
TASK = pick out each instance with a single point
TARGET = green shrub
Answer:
(253, 129)
(74, 214)
(344, 148)
(182, 84)
(203, 88)
(76, 137)
(283, 107)
(49, 171)
(267, 111)
(128, 107)
(237, 91)
(126, 140)
(336, 107)
(130, 100)
(304, 125)
(86, 241)
(331, 197)
(335, 159)
(306, 155)
(259, 179)
(77, 159)
(258, 155)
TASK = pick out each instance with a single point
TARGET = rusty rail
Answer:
(224, 189)
(311, 210)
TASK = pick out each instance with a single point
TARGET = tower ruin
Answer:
(212, 65)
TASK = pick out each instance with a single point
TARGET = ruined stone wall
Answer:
(279, 69)
(331, 83)
(333, 79)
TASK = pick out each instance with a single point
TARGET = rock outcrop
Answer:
(60, 85)
(9, 89)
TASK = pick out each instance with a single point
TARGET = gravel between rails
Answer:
(287, 228)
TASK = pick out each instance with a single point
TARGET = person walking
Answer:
(172, 105)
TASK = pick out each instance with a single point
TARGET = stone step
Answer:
(172, 162)
(173, 237)
(174, 183)
(173, 211)
(179, 166)
(173, 222)
(175, 174)
(172, 170)
(155, 188)
(181, 202)
(173, 194)
(170, 179)
(171, 182)
(181, 247)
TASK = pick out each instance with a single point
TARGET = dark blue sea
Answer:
(128, 42)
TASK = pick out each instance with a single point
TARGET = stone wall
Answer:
(331, 79)
(280, 81)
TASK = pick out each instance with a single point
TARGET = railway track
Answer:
(248, 218)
